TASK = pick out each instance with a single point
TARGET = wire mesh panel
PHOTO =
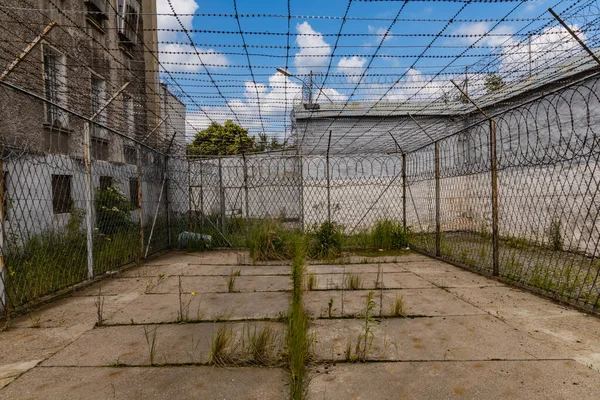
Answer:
(355, 192)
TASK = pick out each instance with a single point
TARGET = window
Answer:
(128, 114)
(57, 141)
(99, 149)
(128, 17)
(61, 194)
(98, 100)
(55, 88)
(130, 155)
(97, 11)
(133, 193)
(105, 182)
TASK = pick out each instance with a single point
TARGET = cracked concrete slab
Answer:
(175, 344)
(428, 302)
(207, 383)
(554, 379)
(475, 337)
(373, 280)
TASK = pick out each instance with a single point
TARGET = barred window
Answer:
(133, 192)
(99, 149)
(105, 182)
(55, 88)
(130, 154)
(61, 194)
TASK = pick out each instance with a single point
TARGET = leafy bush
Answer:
(326, 241)
(270, 241)
(113, 211)
(388, 235)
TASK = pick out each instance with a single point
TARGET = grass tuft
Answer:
(353, 282)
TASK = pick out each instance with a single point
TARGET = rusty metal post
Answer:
(247, 200)
(301, 193)
(494, 172)
(140, 200)
(3, 268)
(438, 232)
(404, 193)
(167, 209)
(89, 203)
(27, 50)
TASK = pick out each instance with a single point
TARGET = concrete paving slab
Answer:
(207, 383)
(25, 345)
(542, 380)
(175, 344)
(510, 302)
(223, 270)
(476, 337)
(242, 284)
(116, 286)
(145, 271)
(73, 311)
(428, 266)
(215, 257)
(426, 302)
(165, 308)
(352, 269)
(391, 280)
(457, 279)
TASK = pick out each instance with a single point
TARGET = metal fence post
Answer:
(328, 179)
(140, 200)
(89, 203)
(438, 233)
(222, 196)
(494, 171)
(247, 199)
(167, 209)
(301, 191)
(3, 269)
(201, 197)
(404, 193)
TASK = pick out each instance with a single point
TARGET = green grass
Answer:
(388, 234)
(325, 241)
(299, 341)
(269, 240)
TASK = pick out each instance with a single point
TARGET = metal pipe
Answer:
(140, 200)
(438, 225)
(89, 204)
(587, 49)
(328, 179)
(495, 213)
(404, 193)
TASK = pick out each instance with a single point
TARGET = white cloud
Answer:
(185, 59)
(353, 67)
(381, 33)
(189, 58)
(170, 21)
(314, 51)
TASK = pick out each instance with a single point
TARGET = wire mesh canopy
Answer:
(352, 76)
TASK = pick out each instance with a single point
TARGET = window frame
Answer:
(62, 197)
(59, 89)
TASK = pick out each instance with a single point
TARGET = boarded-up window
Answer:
(133, 193)
(61, 194)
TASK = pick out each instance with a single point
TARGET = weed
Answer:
(262, 345)
(222, 347)
(116, 363)
(367, 335)
(326, 241)
(269, 241)
(151, 341)
(311, 282)
(99, 302)
(329, 307)
(35, 322)
(353, 282)
(398, 307)
(231, 280)
(388, 234)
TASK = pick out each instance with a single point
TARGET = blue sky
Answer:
(224, 87)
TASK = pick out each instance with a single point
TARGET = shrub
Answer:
(326, 241)
(388, 235)
(270, 241)
(113, 210)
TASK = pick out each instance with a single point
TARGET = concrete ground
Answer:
(462, 335)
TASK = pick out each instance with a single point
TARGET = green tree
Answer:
(220, 140)
(493, 83)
